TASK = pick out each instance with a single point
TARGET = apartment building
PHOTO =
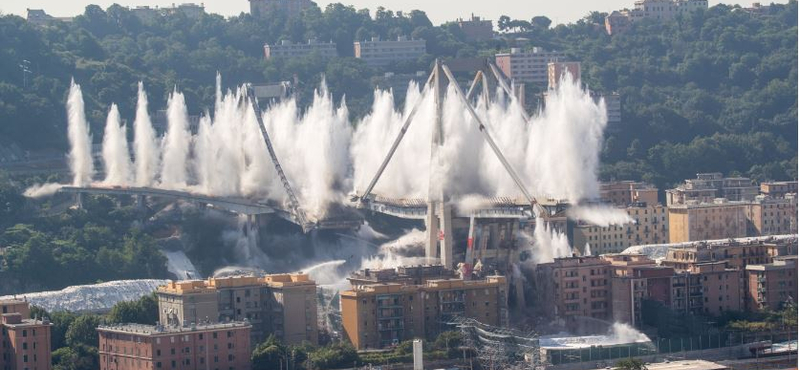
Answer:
(377, 52)
(706, 221)
(200, 347)
(649, 226)
(557, 70)
(625, 193)
(284, 305)
(634, 278)
(722, 287)
(735, 254)
(288, 49)
(771, 285)
(574, 286)
(25, 342)
(476, 29)
(769, 215)
(382, 314)
(528, 66)
(778, 189)
(285, 8)
(620, 21)
(709, 186)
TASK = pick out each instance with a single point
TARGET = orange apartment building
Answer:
(208, 346)
(634, 278)
(386, 313)
(771, 285)
(575, 286)
(25, 342)
(625, 193)
(283, 304)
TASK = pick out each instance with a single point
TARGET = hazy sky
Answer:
(560, 11)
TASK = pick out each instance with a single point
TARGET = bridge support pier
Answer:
(439, 230)
(79, 199)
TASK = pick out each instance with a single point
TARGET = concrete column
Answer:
(432, 232)
(446, 252)
(79, 199)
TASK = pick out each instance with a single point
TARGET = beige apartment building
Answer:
(772, 216)
(625, 193)
(528, 66)
(705, 221)
(778, 189)
(649, 226)
(377, 52)
(707, 187)
(382, 314)
(284, 305)
(634, 278)
(288, 49)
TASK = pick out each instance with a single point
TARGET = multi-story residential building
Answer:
(476, 29)
(528, 66)
(709, 186)
(285, 8)
(575, 286)
(706, 221)
(25, 342)
(772, 216)
(771, 285)
(288, 49)
(617, 22)
(735, 253)
(149, 14)
(634, 278)
(194, 347)
(405, 275)
(386, 313)
(377, 52)
(284, 305)
(39, 17)
(625, 193)
(557, 70)
(722, 287)
(778, 189)
(649, 226)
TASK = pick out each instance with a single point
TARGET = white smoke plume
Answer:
(144, 143)
(42, 190)
(555, 154)
(80, 140)
(600, 215)
(176, 144)
(116, 157)
(546, 244)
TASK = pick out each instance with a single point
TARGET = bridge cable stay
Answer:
(397, 140)
(484, 131)
(502, 82)
(298, 213)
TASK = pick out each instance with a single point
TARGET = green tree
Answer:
(83, 331)
(271, 354)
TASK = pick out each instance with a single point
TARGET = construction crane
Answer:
(294, 204)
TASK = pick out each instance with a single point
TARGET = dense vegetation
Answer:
(715, 90)
(99, 242)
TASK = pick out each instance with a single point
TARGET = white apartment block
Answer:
(377, 52)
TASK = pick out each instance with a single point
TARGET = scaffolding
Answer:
(498, 348)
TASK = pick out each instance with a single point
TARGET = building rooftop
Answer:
(777, 264)
(686, 365)
(212, 284)
(154, 330)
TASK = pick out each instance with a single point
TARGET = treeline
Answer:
(99, 242)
